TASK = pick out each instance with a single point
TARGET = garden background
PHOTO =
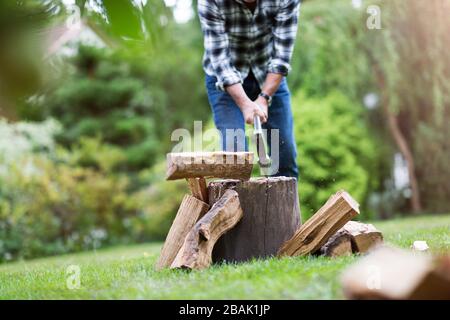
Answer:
(90, 92)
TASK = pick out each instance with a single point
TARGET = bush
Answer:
(335, 150)
(54, 201)
(330, 50)
(128, 102)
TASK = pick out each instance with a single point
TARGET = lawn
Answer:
(127, 272)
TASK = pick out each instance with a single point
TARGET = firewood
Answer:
(353, 237)
(340, 244)
(271, 216)
(232, 165)
(364, 236)
(198, 188)
(391, 273)
(198, 245)
(189, 212)
(310, 237)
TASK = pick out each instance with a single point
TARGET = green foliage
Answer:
(335, 150)
(159, 200)
(329, 53)
(412, 55)
(128, 102)
(54, 201)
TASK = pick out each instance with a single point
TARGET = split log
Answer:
(311, 236)
(190, 210)
(198, 188)
(353, 237)
(364, 236)
(196, 252)
(390, 273)
(271, 216)
(233, 165)
(340, 244)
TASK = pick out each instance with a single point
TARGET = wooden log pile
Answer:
(262, 216)
(331, 233)
(353, 237)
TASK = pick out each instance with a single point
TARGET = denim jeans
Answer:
(227, 115)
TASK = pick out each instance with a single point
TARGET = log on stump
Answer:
(271, 216)
(353, 237)
(190, 210)
(196, 252)
(233, 165)
(391, 273)
(311, 236)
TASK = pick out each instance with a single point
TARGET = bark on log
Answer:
(199, 243)
(389, 273)
(353, 237)
(311, 236)
(198, 188)
(340, 244)
(190, 210)
(233, 165)
(364, 236)
(271, 216)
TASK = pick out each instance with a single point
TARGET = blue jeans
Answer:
(227, 115)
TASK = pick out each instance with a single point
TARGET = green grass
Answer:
(127, 272)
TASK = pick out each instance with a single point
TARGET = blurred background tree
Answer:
(412, 65)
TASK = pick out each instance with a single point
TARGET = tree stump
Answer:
(271, 216)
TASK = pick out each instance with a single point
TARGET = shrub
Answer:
(335, 150)
(129, 102)
(54, 200)
(330, 51)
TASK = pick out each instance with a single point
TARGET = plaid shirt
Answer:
(237, 40)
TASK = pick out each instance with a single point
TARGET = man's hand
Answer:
(248, 107)
(251, 109)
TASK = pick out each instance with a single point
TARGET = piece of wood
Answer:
(391, 273)
(339, 244)
(271, 216)
(189, 212)
(199, 243)
(310, 237)
(353, 237)
(232, 165)
(198, 188)
(364, 236)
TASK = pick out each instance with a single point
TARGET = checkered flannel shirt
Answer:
(236, 39)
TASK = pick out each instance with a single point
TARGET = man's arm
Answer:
(270, 86)
(217, 45)
(284, 32)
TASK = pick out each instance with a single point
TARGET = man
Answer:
(248, 47)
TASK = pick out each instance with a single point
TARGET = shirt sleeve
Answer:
(217, 44)
(284, 33)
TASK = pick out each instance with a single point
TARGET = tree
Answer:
(411, 60)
